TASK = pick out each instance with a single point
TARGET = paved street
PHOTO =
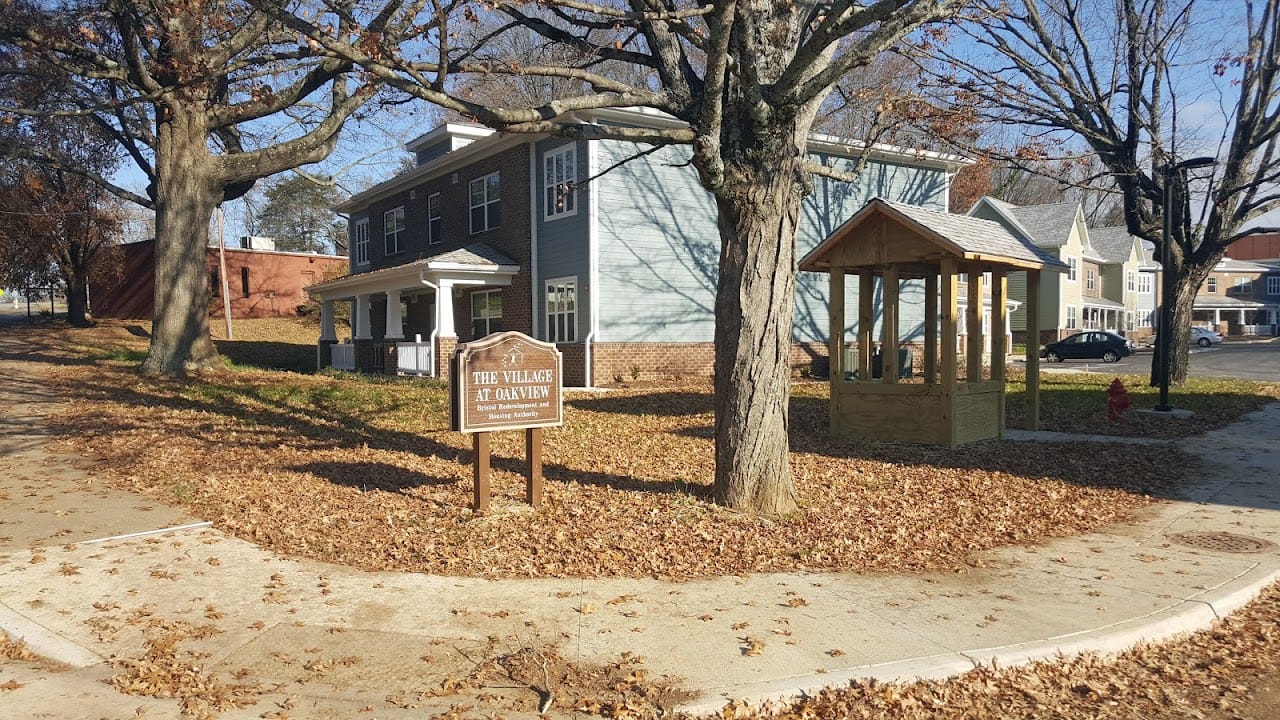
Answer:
(1243, 361)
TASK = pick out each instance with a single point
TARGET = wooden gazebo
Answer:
(893, 242)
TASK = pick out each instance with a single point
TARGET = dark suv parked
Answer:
(1091, 344)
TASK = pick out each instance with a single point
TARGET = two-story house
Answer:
(1128, 277)
(1109, 283)
(1239, 297)
(607, 248)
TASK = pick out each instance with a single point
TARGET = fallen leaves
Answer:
(752, 647)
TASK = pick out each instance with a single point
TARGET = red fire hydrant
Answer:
(1117, 400)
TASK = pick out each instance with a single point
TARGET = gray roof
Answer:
(477, 253)
(976, 235)
(1113, 244)
(1048, 225)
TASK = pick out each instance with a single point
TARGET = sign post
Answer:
(506, 381)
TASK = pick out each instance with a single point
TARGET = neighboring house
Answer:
(1104, 286)
(608, 252)
(261, 283)
(1129, 276)
(1239, 297)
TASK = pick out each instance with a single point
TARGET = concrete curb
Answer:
(43, 641)
(1182, 618)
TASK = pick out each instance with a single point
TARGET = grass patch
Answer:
(1077, 403)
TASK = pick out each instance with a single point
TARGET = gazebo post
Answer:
(835, 343)
(949, 322)
(866, 323)
(999, 321)
(1033, 349)
(889, 345)
(930, 328)
(973, 325)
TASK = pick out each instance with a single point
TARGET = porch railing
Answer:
(416, 358)
(1261, 330)
(343, 356)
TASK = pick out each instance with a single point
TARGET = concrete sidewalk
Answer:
(331, 641)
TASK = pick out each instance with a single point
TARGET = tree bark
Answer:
(759, 207)
(186, 195)
(77, 299)
(1186, 285)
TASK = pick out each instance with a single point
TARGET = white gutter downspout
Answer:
(435, 321)
(593, 262)
(533, 237)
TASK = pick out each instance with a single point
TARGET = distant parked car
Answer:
(1091, 344)
(1203, 337)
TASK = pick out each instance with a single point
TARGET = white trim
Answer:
(593, 264)
(431, 240)
(533, 238)
(570, 177)
(571, 282)
(393, 212)
(487, 201)
(357, 242)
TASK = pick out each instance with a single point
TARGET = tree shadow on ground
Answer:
(667, 403)
(371, 475)
(269, 355)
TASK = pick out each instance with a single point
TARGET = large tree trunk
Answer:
(77, 299)
(186, 195)
(759, 208)
(1186, 285)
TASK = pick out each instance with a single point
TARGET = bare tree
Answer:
(746, 77)
(206, 98)
(1122, 77)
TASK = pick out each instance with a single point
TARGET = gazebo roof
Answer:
(886, 233)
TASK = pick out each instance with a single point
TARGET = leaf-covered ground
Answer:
(364, 472)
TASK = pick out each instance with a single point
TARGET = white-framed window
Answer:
(1071, 269)
(486, 210)
(1130, 281)
(392, 230)
(1071, 317)
(1090, 279)
(1273, 285)
(562, 309)
(559, 173)
(435, 226)
(360, 241)
(486, 312)
(1144, 283)
(1211, 284)
(1244, 286)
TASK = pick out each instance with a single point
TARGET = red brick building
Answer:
(262, 283)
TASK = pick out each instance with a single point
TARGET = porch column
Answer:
(1217, 318)
(1033, 350)
(999, 326)
(1241, 319)
(889, 326)
(394, 329)
(327, 329)
(973, 326)
(930, 329)
(835, 337)
(949, 350)
(866, 323)
(360, 321)
(444, 310)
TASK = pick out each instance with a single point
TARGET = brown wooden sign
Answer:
(506, 381)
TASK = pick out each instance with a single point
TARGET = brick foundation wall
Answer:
(573, 364)
(444, 353)
(390, 358)
(367, 356)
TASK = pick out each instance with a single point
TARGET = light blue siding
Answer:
(562, 241)
(659, 247)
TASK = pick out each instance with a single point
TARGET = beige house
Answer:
(1239, 298)
(1102, 286)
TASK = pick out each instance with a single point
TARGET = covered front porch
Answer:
(404, 318)
(1236, 316)
(1103, 314)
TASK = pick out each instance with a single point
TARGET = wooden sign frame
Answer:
(506, 381)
